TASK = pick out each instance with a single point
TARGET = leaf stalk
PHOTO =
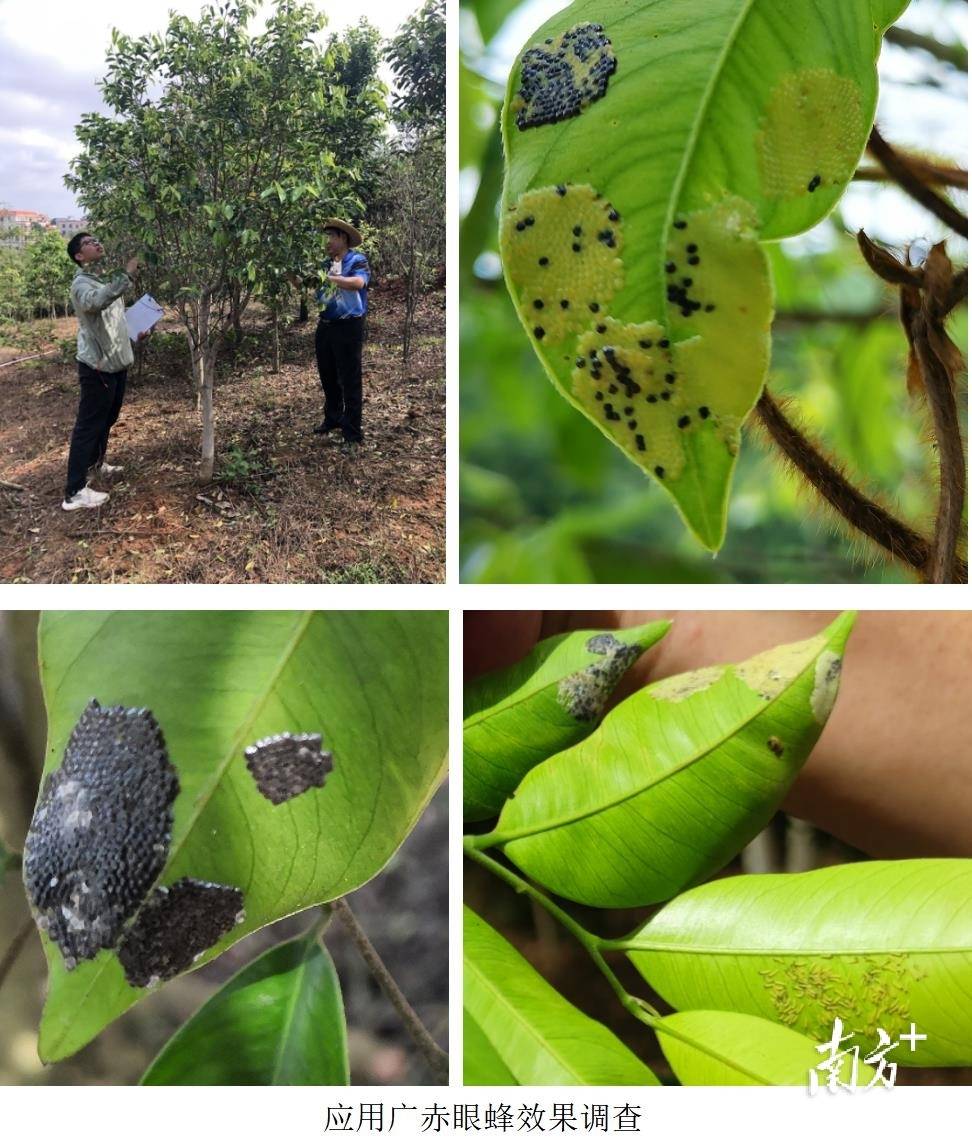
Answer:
(436, 1058)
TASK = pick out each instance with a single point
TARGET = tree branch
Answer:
(593, 944)
(905, 176)
(951, 458)
(953, 54)
(927, 171)
(873, 520)
(13, 950)
(435, 1057)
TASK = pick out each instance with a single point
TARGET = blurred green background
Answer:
(546, 498)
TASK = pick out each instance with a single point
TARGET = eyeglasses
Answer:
(90, 242)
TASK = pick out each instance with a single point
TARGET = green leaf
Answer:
(726, 123)
(873, 943)
(518, 1026)
(372, 684)
(280, 1020)
(676, 780)
(716, 1048)
(552, 698)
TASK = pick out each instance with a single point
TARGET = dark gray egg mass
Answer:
(177, 925)
(100, 833)
(285, 765)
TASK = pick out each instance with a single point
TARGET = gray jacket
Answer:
(103, 341)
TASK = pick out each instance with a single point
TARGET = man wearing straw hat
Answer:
(343, 299)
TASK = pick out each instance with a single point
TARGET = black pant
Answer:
(102, 395)
(338, 346)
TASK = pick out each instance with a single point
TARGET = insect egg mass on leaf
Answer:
(101, 830)
(711, 138)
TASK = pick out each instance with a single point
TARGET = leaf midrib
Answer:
(520, 1020)
(202, 801)
(288, 1021)
(499, 838)
(829, 952)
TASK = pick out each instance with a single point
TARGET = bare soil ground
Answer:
(285, 506)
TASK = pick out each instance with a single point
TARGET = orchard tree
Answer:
(13, 285)
(48, 271)
(412, 222)
(417, 55)
(357, 135)
(413, 201)
(215, 165)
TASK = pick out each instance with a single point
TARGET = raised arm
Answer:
(91, 298)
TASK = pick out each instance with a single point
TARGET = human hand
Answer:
(131, 267)
(143, 335)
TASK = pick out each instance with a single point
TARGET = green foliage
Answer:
(218, 163)
(48, 271)
(241, 468)
(544, 499)
(668, 254)
(674, 782)
(724, 1048)
(410, 212)
(14, 305)
(417, 55)
(35, 278)
(885, 942)
(515, 717)
(373, 684)
(517, 1029)
(727, 741)
(278, 1021)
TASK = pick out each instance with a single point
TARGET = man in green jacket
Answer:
(104, 355)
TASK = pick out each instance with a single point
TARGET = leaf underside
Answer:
(519, 1030)
(280, 1020)
(631, 230)
(877, 944)
(374, 685)
(676, 780)
(723, 1048)
(518, 716)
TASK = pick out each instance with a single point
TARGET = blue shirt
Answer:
(337, 303)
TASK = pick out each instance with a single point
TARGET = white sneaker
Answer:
(84, 498)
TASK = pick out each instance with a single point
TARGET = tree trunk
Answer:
(203, 369)
(302, 317)
(276, 342)
(236, 313)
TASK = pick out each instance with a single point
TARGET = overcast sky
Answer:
(52, 54)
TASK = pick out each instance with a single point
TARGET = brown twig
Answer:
(906, 177)
(815, 316)
(928, 293)
(10, 485)
(435, 1057)
(953, 54)
(951, 458)
(928, 172)
(13, 950)
(864, 514)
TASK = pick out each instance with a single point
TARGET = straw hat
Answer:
(354, 235)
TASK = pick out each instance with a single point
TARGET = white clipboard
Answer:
(142, 315)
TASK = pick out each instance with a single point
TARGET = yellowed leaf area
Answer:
(810, 135)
